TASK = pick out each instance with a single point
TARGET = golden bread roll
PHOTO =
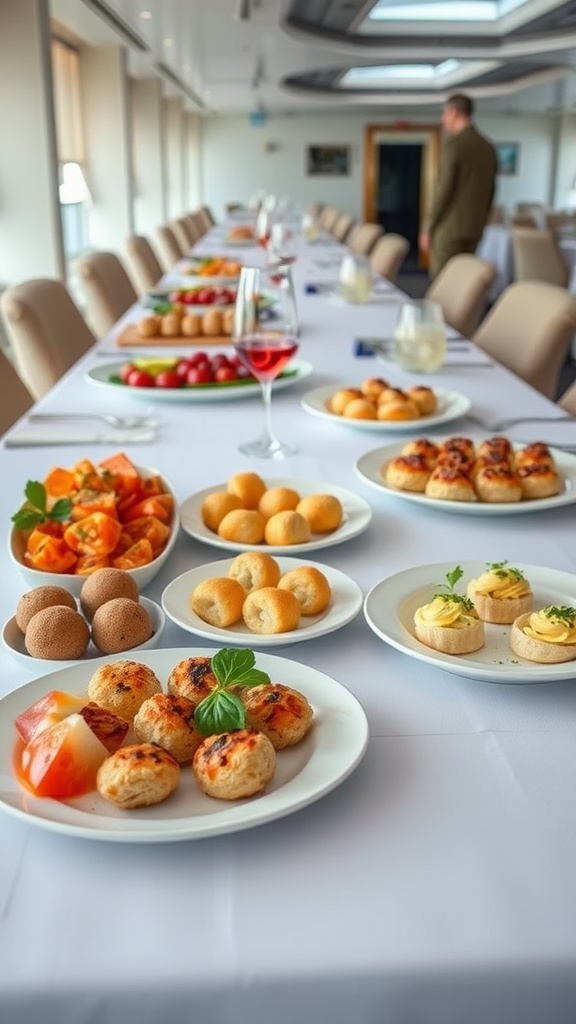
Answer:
(249, 487)
(278, 499)
(539, 480)
(191, 325)
(283, 714)
(242, 526)
(398, 409)
(168, 720)
(254, 570)
(534, 454)
(218, 601)
(360, 409)
(450, 483)
(212, 322)
(536, 647)
(407, 473)
(285, 528)
(423, 447)
(373, 386)
(497, 484)
(457, 449)
(339, 400)
(148, 326)
(217, 505)
(271, 610)
(424, 397)
(310, 586)
(323, 512)
(192, 678)
(123, 686)
(391, 394)
(170, 325)
(139, 775)
(228, 320)
(234, 765)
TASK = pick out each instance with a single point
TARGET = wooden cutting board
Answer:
(130, 337)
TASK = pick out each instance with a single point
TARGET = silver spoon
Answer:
(122, 422)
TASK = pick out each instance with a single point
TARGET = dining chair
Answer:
(388, 255)
(208, 217)
(523, 220)
(181, 236)
(567, 400)
(15, 398)
(199, 223)
(342, 226)
(47, 332)
(108, 290)
(462, 289)
(168, 248)
(144, 264)
(496, 214)
(328, 217)
(363, 237)
(194, 229)
(537, 256)
(529, 330)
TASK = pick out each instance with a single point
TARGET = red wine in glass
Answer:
(265, 357)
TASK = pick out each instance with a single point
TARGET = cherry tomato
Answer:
(126, 370)
(226, 373)
(198, 357)
(206, 296)
(182, 368)
(168, 379)
(140, 379)
(220, 360)
(200, 375)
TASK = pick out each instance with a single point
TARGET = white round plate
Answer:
(13, 641)
(357, 517)
(451, 405)
(100, 376)
(344, 606)
(389, 611)
(369, 466)
(304, 773)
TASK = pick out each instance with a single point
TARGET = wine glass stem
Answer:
(268, 437)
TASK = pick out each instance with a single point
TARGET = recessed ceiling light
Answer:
(145, 15)
(167, 42)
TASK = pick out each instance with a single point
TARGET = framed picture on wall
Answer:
(508, 154)
(328, 160)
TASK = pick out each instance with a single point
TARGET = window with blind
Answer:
(74, 194)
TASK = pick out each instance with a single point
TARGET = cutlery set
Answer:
(127, 430)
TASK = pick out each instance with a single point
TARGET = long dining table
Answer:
(436, 883)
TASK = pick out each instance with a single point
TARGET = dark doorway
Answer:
(398, 192)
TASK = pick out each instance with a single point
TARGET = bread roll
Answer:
(422, 446)
(218, 601)
(170, 325)
(192, 678)
(373, 386)
(254, 570)
(539, 480)
(360, 409)
(398, 409)
(242, 526)
(234, 765)
(271, 610)
(191, 325)
(168, 720)
(283, 714)
(340, 399)
(497, 484)
(449, 483)
(310, 586)
(212, 323)
(249, 487)
(286, 528)
(278, 499)
(215, 506)
(323, 512)
(123, 686)
(407, 473)
(139, 775)
(148, 326)
(424, 397)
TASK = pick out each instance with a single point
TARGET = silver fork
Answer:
(121, 422)
(511, 421)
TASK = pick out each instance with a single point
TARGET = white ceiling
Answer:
(224, 63)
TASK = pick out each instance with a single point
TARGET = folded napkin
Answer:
(46, 438)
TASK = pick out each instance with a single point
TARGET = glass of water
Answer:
(419, 340)
(355, 279)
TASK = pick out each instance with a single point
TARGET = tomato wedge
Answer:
(137, 554)
(97, 534)
(62, 760)
(51, 554)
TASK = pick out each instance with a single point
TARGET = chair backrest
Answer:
(168, 247)
(194, 229)
(108, 289)
(181, 236)
(496, 215)
(523, 220)
(342, 226)
(363, 237)
(144, 263)
(47, 332)
(208, 216)
(200, 224)
(462, 288)
(15, 399)
(567, 401)
(388, 255)
(537, 257)
(328, 217)
(529, 330)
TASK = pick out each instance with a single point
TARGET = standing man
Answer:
(465, 186)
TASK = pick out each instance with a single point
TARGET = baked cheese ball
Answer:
(234, 765)
(282, 713)
(123, 686)
(192, 678)
(139, 775)
(167, 720)
(323, 512)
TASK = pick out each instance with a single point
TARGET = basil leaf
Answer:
(220, 712)
(61, 510)
(26, 518)
(36, 494)
(237, 666)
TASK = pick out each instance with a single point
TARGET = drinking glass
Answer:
(264, 222)
(310, 229)
(281, 245)
(355, 278)
(419, 340)
(264, 335)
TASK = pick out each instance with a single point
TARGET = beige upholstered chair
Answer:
(47, 332)
(537, 257)
(143, 262)
(496, 215)
(108, 289)
(328, 217)
(523, 220)
(180, 234)
(342, 226)
(168, 248)
(363, 237)
(194, 229)
(462, 288)
(208, 217)
(199, 222)
(529, 330)
(388, 255)
(567, 401)
(15, 399)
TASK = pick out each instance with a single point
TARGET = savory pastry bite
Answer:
(422, 446)
(228, 320)
(167, 720)
(360, 409)
(450, 483)
(283, 714)
(497, 483)
(323, 512)
(57, 633)
(271, 610)
(537, 453)
(234, 765)
(212, 323)
(407, 473)
(39, 598)
(539, 480)
(424, 397)
(373, 386)
(148, 326)
(254, 570)
(192, 678)
(217, 505)
(395, 409)
(123, 686)
(310, 586)
(450, 622)
(391, 394)
(249, 487)
(286, 528)
(103, 585)
(278, 499)
(496, 449)
(339, 400)
(547, 636)
(218, 601)
(170, 325)
(243, 526)
(120, 624)
(110, 729)
(139, 775)
(454, 447)
(191, 325)
(500, 594)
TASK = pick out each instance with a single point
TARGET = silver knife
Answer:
(31, 440)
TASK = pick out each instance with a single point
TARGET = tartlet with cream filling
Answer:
(500, 594)
(547, 636)
(450, 622)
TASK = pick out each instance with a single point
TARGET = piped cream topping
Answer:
(550, 628)
(502, 585)
(447, 613)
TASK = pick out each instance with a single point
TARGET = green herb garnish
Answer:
(222, 710)
(36, 510)
(563, 613)
(447, 593)
(498, 568)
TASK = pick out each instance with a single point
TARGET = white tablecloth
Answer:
(436, 885)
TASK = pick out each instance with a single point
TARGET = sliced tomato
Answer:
(59, 482)
(160, 506)
(81, 471)
(96, 534)
(37, 536)
(62, 760)
(46, 711)
(51, 554)
(139, 553)
(87, 564)
(150, 527)
(85, 502)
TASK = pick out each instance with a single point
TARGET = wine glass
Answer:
(355, 279)
(264, 335)
(264, 222)
(419, 341)
(281, 245)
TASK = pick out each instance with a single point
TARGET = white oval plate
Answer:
(304, 773)
(100, 377)
(451, 405)
(357, 517)
(368, 468)
(389, 611)
(344, 606)
(13, 641)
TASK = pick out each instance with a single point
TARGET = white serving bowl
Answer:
(13, 640)
(143, 575)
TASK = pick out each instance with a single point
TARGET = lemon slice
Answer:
(154, 365)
